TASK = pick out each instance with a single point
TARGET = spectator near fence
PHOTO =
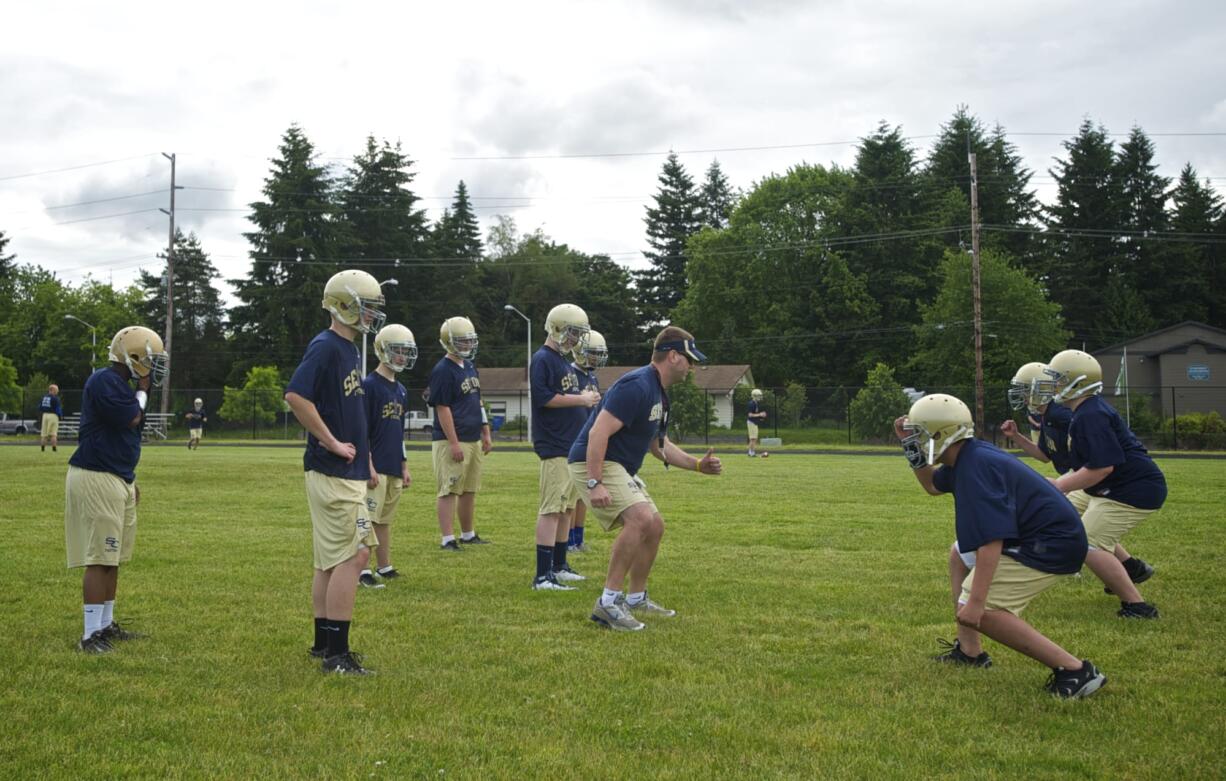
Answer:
(53, 412)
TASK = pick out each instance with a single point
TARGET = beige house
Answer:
(1183, 366)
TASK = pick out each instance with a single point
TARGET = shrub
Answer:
(878, 403)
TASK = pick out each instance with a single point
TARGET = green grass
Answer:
(810, 591)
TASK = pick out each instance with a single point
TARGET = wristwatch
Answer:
(592, 482)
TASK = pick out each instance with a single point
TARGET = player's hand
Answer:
(899, 431)
(487, 444)
(600, 496)
(591, 398)
(136, 488)
(406, 477)
(457, 452)
(710, 463)
(1009, 429)
(373, 482)
(343, 450)
(970, 615)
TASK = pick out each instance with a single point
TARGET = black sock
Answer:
(321, 634)
(559, 556)
(1133, 566)
(338, 637)
(544, 561)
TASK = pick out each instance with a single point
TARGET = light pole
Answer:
(93, 340)
(381, 284)
(527, 364)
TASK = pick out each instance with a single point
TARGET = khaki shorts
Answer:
(457, 477)
(626, 491)
(1013, 586)
(1107, 521)
(752, 428)
(195, 433)
(381, 500)
(558, 492)
(99, 518)
(340, 524)
(51, 425)
(1080, 499)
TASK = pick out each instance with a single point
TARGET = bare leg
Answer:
(1121, 554)
(563, 532)
(98, 583)
(343, 585)
(629, 542)
(467, 508)
(640, 568)
(547, 528)
(446, 514)
(1113, 575)
(383, 554)
(580, 515)
(1006, 628)
(319, 592)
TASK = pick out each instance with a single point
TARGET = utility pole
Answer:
(170, 284)
(976, 297)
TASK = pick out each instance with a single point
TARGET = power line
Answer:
(11, 177)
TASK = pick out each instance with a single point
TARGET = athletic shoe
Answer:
(452, 546)
(1138, 571)
(616, 617)
(649, 608)
(550, 584)
(476, 540)
(95, 644)
(1137, 610)
(115, 632)
(955, 655)
(580, 548)
(1074, 684)
(317, 653)
(346, 664)
(389, 575)
(368, 581)
(567, 575)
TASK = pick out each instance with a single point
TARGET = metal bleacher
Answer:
(156, 424)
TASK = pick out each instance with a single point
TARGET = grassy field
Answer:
(811, 590)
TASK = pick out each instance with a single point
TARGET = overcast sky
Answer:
(548, 82)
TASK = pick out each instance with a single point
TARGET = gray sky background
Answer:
(219, 83)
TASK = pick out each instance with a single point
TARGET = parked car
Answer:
(14, 424)
(417, 420)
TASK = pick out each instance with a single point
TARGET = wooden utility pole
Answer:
(170, 285)
(976, 298)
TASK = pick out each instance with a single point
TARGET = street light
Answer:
(381, 284)
(93, 339)
(528, 364)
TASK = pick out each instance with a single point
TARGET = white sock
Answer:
(108, 613)
(449, 538)
(636, 597)
(385, 570)
(608, 597)
(93, 620)
(467, 535)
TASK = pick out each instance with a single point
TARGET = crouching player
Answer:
(1025, 536)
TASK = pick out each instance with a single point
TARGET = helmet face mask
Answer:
(1074, 374)
(140, 349)
(396, 347)
(934, 423)
(355, 299)
(591, 351)
(1030, 388)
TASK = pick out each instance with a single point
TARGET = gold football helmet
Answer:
(458, 337)
(354, 298)
(934, 423)
(396, 347)
(141, 350)
(1024, 387)
(1073, 374)
(566, 325)
(591, 352)
(755, 394)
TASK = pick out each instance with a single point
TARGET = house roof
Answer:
(1209, 330)
(718, 377)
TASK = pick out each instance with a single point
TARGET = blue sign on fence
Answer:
(1198, 372)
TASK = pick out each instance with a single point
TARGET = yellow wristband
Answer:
(698, 465)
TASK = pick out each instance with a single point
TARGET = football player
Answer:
(630, 421)
(1112, 467)
(591, 354)
(1024, 533)
(755, 416)
(559, 410)
(196, 418)
(53, 412)
(461, 437)
(386, 402)
(100, 492)
(326, 397)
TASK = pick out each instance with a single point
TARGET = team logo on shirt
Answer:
(393, 409)
(470, 385)
(353, 384)
(570, 383)
(657, 412)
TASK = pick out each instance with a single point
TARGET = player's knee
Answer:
(362, 557)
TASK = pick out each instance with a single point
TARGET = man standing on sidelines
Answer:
(559, 410)
(631, 420)
(591, 354)
(326, 397)
(53, 412)
(100, 493)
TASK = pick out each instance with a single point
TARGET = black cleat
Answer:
(1075, 684)
(476, 540)
(115, 632)
(390, 574)
(452, 546)
(95, 644)
(317, 653)
(1137, 610)
(1138, 571)
(955, 655)
(346, 664)
(367, 580)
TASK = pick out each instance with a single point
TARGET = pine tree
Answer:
(7, 266)
(1195, 277)
(670, 223)
(1142, 210)
(716, 198)
(457, 235)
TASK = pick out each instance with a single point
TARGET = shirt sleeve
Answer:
(305, 381)
(544, 381)
(116, 403)
(1095, 440)
(442, 390)
(625, 402)
(943, 480)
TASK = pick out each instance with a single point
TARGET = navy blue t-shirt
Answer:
(756, 407)
(554, 428)
(330, 377)
(457, 387)
(997, 497)
(386, 401)
(1053, 436)
(51, 404)
(637, 400)
(105, 441)
(587, 379)
(195, 417)
(1099, 437)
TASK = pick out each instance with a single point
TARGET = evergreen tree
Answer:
(457, 235)
(675, 217)
(1195, 279)
(6, 261)
(1142, 210)
(293, 250)
(716, 198)
(201, 356)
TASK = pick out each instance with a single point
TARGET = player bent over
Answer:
(591, 354)
(462, 434)
(631, 420)
(326, 396)
(53, 413)
(1025, 536)
(386, 401)
(100, 493)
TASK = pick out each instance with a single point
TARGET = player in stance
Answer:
(591, 354)
(559, 410)
(755, 416)
(326, 397)
(1111, 465)
(53, 412)
(386, 402)
(1024, 534)
(462, 432)
(630, 421)
(196, 418)
(100, 493)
